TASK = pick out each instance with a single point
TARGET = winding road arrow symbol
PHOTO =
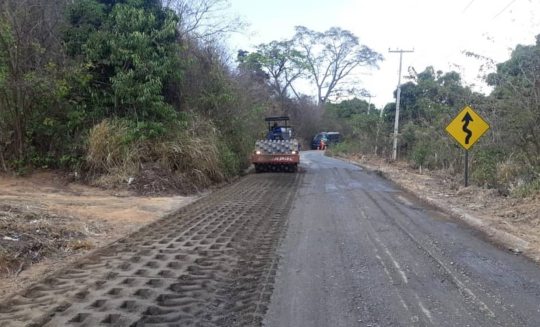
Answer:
(467, 127)
(467, 119)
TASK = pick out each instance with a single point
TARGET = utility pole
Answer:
(396, 121)
(368, 95)
(369, 104)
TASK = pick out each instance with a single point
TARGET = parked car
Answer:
(333, 137)
(315, 143)
(329, 138)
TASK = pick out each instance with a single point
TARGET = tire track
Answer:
(471, 292)
(211, 264)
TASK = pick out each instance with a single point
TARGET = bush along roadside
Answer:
(120, 94)
(189, 156)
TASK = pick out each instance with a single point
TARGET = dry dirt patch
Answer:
(46, 222)
(514, 222)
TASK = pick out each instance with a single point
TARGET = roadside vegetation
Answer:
(140, 95)
(124, 92)
(507, 158)
(143, 94)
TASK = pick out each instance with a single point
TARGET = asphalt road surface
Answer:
(359, 252)
(333, 245)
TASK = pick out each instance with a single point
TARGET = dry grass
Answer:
(79, 245)
(108, 146)
(184, 160)
(110, 155)
(509, 174)
(27, 238)
(197, 157)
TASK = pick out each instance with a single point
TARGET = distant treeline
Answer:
(507, 157)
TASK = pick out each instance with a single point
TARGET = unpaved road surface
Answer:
(359, 252)
(47, 222)
(332, 246)
(211, 264)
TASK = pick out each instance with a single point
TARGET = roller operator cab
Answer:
(279, 150)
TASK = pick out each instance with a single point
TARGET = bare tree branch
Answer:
(205, 20)
(331, 57)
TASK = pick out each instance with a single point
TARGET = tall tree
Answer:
(204, 20)
(30, 61)
(130, 52)
(430, 94)
(282, 65)
(330, 57)
(517, 101)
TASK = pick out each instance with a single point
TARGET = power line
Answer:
(504, 9)
(467, 6)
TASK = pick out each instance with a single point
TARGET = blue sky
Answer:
(439, 31)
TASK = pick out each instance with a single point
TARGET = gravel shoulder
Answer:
(511, 222)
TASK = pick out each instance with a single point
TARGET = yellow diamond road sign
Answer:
(467, 127)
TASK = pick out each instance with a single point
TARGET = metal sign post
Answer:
(466, 168)
(466, 128)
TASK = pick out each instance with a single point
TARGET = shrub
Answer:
(509, 173)
(528, 189)
(484, 166)
(190, 153)
(230, 162)
(420, 152)
(408, 138)
(344, 148)
(110, 147)
(193, 152)
(111, 152)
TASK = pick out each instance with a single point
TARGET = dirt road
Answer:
(47, 221)
(211, 264)
(359, 252)
(332, 246)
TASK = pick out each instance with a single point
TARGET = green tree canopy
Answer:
(330, 57)
(129, 52)
(516, 97)
(281, 64)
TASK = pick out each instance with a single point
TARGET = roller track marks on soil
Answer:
(211, 264)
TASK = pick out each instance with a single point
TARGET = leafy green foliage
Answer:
(31, 85)
(420, 153)
(484, 166)
(517, 100)
(344, 148)
(130, 54)
(352, 120)
(111, 88)
(280, 63)
(515, 107)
